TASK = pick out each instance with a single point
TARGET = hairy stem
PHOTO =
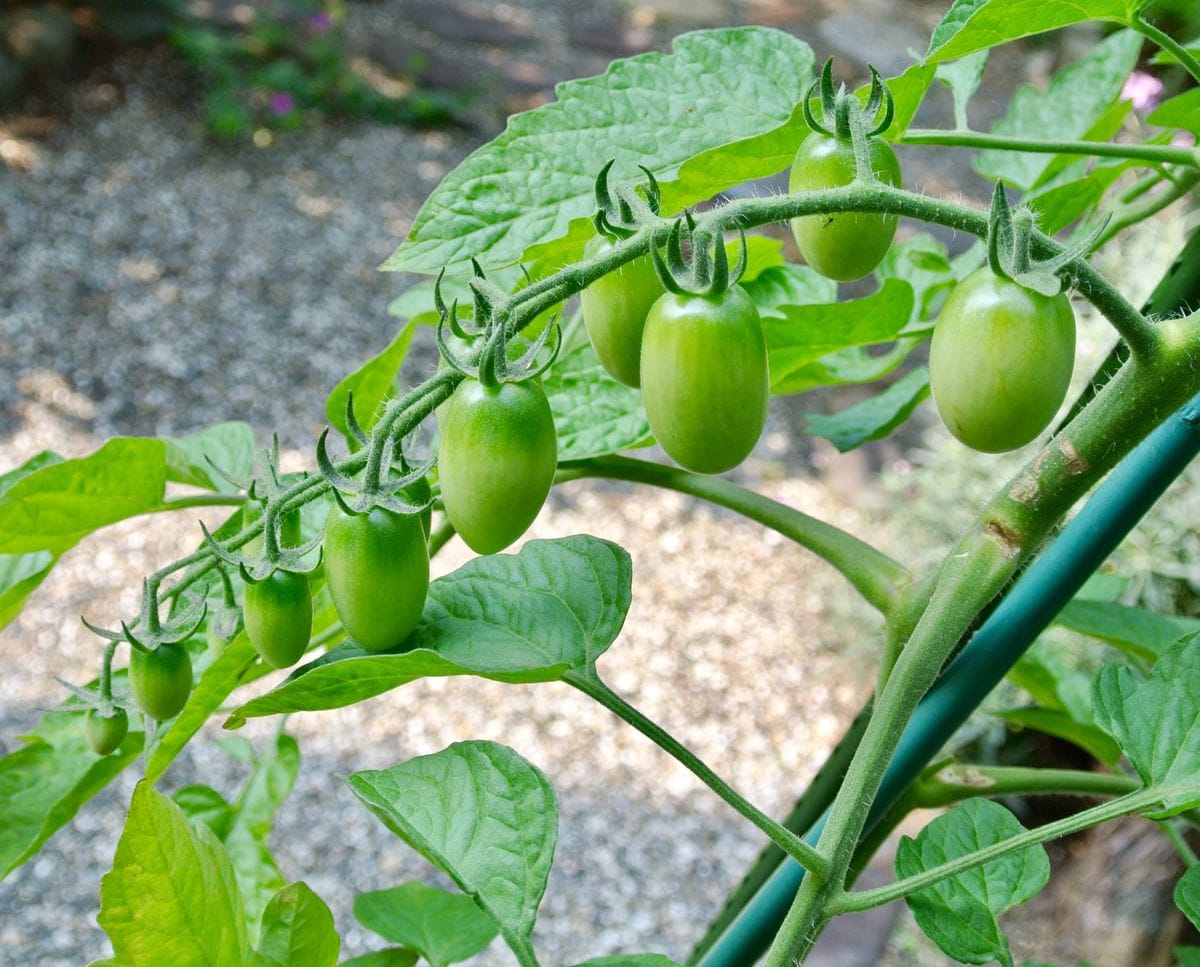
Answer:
(1168, 43)
(589, 683)
(1150, 153)
(868, 899)
(1007, 532)
(873, 574)
(1134, 211)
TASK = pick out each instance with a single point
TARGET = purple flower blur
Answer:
(281, 103)
(1143, 89)
(320, 22)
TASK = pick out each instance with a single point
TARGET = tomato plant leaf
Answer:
(372, 384)
(442, 927)
(923, 262)
(203, 804)
(526, 617)
(1187, 895)
(297, 931)
(1077, 98)
(1156, 721)
(1180, 111)
(716, 88)
(959, 913)
(1139, 633)
(594, 414)
(482, 815)
(1187, 956)
(54, 507)
(392, 957)
(971, 25)
(45, 783)
(789, 285)
(171, 896)
(1091, 738)
(229, 445)
(20, 576)
(962, 77)
(806, 334)
(270, 781)
(873, 418)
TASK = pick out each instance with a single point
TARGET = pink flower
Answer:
(281, 103)
(1143, 90)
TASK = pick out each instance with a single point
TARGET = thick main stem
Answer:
(1139, 397)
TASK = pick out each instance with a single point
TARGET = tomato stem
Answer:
(588, 681)
(1185, 57)
(1149, 153)
(877, 577)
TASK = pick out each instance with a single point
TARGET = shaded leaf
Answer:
(594, 414)
(806, 334)
(873, 418)
(1139, 633)
(1078, 96)
(1180, 111)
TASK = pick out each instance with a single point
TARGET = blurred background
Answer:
(194, 198)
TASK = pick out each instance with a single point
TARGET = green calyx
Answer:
(707, 272)
(841, 110)
(1010, 236)
(622, 210)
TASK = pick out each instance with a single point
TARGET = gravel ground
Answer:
(155, 284)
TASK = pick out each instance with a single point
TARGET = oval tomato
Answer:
(377, 568)
(704, 378)
(161, 680)
(1001, 361)
(496, 461)
(278, 613)
(847, 245)
(105, 733)
(614, 312)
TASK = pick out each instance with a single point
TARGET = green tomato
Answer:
(848, 245)
(704, 378)
(377, 569)
(1001, 361)
(496, 461)
(615, 307)
(105, 733)
(279, 616)
(161, 680)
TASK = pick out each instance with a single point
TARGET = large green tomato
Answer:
(496, 461)
(1001, 361)
(279, 615)
(847, 245)
(377, 569)
(614, 311)
(704, 378)
(161, 680)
